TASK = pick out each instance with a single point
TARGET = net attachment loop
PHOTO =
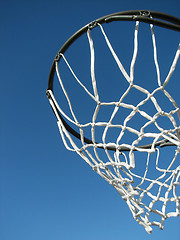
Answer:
(145, 13)
(92, 25)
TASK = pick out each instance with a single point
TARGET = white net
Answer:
(147, 178)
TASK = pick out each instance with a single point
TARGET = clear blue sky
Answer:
(47, 192)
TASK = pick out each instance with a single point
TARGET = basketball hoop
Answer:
(133, 140)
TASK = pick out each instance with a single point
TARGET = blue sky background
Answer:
(47, 192)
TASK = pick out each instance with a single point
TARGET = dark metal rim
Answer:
(151, 17)
(146, 16)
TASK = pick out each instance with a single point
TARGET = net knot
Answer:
(161, 88)
(129, 193)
